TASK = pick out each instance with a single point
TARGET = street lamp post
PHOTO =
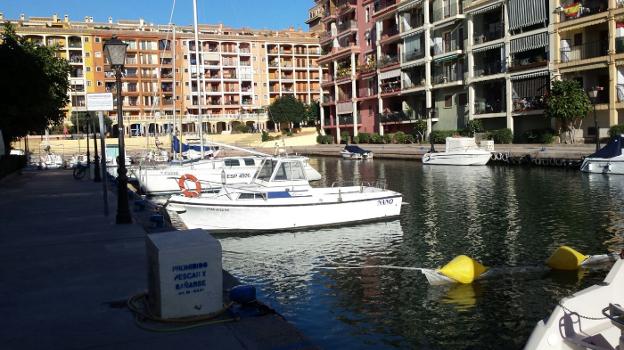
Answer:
(115, 50)
(96, 159)
(593, 94)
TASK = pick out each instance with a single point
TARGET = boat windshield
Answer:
(290, 171)
(266, 170)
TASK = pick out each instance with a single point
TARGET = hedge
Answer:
(616, 130)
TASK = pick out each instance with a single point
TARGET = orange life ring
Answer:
(186, 191)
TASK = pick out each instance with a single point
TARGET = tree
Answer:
(568, 104)
(35, 86)
(420, 129)
(81, 119)
(287, 109)
(313, 113)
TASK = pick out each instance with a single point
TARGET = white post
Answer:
(197, 66)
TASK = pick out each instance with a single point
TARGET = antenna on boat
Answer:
(197, 77)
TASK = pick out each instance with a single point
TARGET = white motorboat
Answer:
(51, 161)
(459, 151)
(211, 173)
(608, 160)
(281, 198)
(76, 160)
(590, 319)
(355, 152)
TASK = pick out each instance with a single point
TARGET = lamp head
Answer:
(115, 51)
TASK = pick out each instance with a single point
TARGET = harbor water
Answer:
(501, 216)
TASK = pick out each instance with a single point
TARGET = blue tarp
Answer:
(175, 145)
(612, 149)
(355, 149)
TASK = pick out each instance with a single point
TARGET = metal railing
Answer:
(413, 56)
(490, 35)
(531, 103)
(388, 60)
(489, 68)
(484, 107)
(584, 51)
(447, 10)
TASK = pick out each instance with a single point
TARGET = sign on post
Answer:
(100, 102)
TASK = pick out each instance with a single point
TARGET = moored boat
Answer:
(459, 151)
(608, 160)
(355, 152)
(281, 198)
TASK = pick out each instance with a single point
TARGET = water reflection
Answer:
(502, 216)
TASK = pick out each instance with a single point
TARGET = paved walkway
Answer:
(66, 271)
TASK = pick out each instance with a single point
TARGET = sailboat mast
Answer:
(197, 66)
(173, 133)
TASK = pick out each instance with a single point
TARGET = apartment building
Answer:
(452, 61)
(228, 80)
(588, 46)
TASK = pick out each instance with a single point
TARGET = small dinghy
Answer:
(355, 152)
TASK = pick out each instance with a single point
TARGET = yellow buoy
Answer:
(565, 258)
(463, 269)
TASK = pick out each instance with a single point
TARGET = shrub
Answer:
(376, 138)
(356, 139)
(547, 138)
(387, 138)
(344, 137)
(439, 136)
(616, 130)
(324, 139)
(501, 135)
(474, 126)
(241, 129)
(399, 137)
(265, 136)
(410, 139)
(364, 137)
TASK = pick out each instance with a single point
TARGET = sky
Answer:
(256, 14)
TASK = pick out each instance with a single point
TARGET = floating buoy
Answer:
(565, 258)
(504, 157)
(463, 269)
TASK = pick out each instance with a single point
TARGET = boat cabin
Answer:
(279, 172)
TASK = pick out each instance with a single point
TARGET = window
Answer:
(88, 69)
(98, 54)
(88, 83)
(98, 69)
(266, 170)
(231, 162)
(86, 39)
(87, 55)
(249, 161)
(367, 14)
(462, 100)
(290, 171)
(99, 83)
(97, 39)
(448, 101)
(248, 196)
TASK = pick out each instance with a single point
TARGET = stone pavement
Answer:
(66, 271)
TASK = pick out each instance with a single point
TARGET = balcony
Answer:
(579, 9)
(527, 104)
(414, 83)
(413, 56)
(584, 51)
(449, 9)
(347, 26)
(383, 7)
(448, 76)
(489, 68)
(495, 33)
(390, 86)
(397, 117)
(343, 72)
(388, 60)
(527, 63)
(345, 119)
(415, 21)
(389, 33)
(442, 46)
(325, 37)
(488, 106)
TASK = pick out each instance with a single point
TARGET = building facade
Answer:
(240, 71)
(390, 63)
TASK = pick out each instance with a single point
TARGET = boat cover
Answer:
(175, 144)
(612, 149)
(356, 149)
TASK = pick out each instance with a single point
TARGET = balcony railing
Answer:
(391, 86)
(345, 119)
(389, 32)
(527, 63)
(524, 104)
(412, 84)
(441, 46)
(348, 25)
(397, 116)
(367, 67)
(413, 23)
(388, 60)
(490, 35)
(327, 121)
(449, 76)
(489, 68)
(584, 51)
(413, 56)
(485, 107)
(75, 59)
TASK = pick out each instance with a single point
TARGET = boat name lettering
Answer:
(386, 201)
(170, 173)
(233, 176)
(218, 209)
(194, 266)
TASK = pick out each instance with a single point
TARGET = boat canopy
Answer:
(175, 144)
(612, 149)
(281, 169)
(459, 144)
(356, 149)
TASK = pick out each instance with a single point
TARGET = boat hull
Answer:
(356, 156)
(460, 158)
(282, 214)
(613, 166)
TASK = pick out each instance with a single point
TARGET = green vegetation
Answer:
(538, 136)
(473, 126)
(616, 130)
(364, 137)
(35, 86)
(324, 139)
(287, 109)
(80, 120)
(439, 136)
(313, 113)
(344, 137)
(420, 130)
(266, 137)
(500, 135)
(568, 104)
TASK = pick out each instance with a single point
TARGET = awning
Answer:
(413, 64)
(529, 42)
(445, 58)
(488, 47)
(484, 9)
(411, 34)
(531, 87)
(541, 73)
(524, 13)
(390, 74)
(407, 5)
